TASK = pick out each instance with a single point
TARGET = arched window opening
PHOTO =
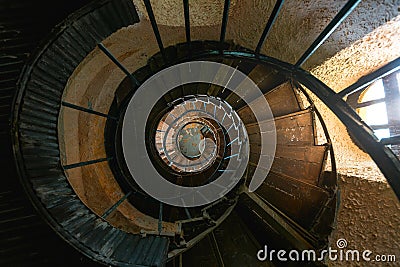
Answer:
(379, 106)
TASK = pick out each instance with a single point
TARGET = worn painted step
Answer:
(266, 79)
(157, 63)
(293, 129)
(282, 100)
(304, 163)
(299, 200)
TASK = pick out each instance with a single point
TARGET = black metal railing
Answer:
(335, 22)
(224, 24)
(154, 25)
(268, 27)
(364, 81)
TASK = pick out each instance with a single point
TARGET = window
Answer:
(372, 109)
(379, 106)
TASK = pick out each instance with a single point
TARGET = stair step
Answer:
(272, 227)
(296, 128)
(266, 79)
(293, 129)
(282, 101)
(126, 248)
(202, 254)
(301, 201)
(259, 73)
(215, 90)
(243, 241)
(301, 163)
(325, 222)
(220, 248)
(149, 251)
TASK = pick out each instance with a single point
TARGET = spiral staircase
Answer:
(194, 134)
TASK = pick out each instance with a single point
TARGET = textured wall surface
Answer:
(368, 219)
(298, 25)
(361, 57)
(170, 12)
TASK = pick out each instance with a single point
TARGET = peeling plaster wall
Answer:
(366, 17)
